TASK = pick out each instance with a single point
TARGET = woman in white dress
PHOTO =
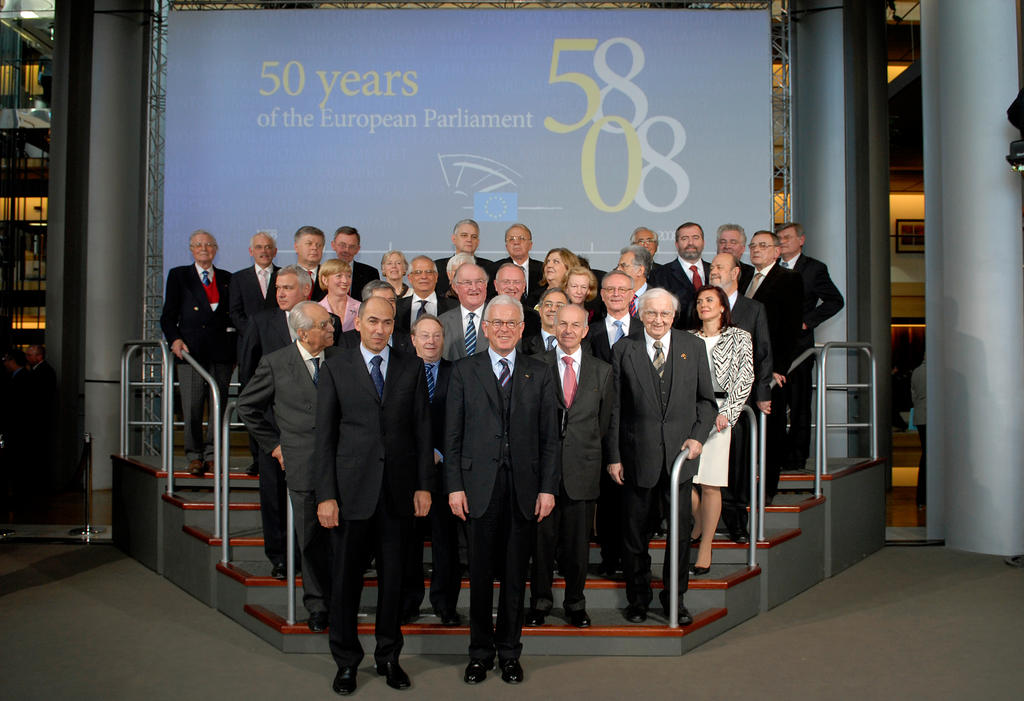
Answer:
(731, 357)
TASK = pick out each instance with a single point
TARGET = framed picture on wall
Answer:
(910, 236)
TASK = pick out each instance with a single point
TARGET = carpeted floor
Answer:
(86, 622)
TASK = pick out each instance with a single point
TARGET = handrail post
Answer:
(673, 544)
(762, 441)
(216, 414)
(752, 518)
(221, 499)
(824, 407)
(290, 554)
(874, 403)
(822, 421)
(167, 435)
(126, 355)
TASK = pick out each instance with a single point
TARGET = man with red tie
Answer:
(309, 249)
(686, 274)
(195, 320)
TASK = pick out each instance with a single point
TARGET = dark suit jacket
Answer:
(351, 339)
(533, 289)
(362, 274)
(749, 315)
(278, 407)
(455, 334)
(246, 297)
(442, 272)
(645, 437)
(533, 344)
(673, 278)
(268, 332)
(584, 425)
(782, 294)
(187, 315)
(818, 287)
(365, 443)
(598, 337)
(403, 311)
(746, 275)
(437, 417)
(473, 425)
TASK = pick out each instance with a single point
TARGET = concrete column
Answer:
(114, 284)
(974, 302)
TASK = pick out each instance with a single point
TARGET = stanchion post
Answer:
(87, 530)
(673, 534)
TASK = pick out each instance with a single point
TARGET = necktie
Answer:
(423, 308)
(316, 370)
(550, 342)
(568, 381)
(206, 278)
(505, 373)
(632, 306)
(619, 333)
(784, 263)
(431, 382)
(312, 279)
(754, 284)
(659, 358)
(262, 275)
(471, 335)
(526, 277)
(376, 375)
(696, 277)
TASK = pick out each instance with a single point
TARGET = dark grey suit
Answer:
(652, 418)
(585, 435)
(278, 407)
(502, 451)
(455, 333)
(673, 278)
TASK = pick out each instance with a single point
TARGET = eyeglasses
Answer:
(641, 242)
(617, 290)
(552, 305)
(651, 314)
(763, 245)
(202, 244)
(622, 265)
(498, 324)
(467, 283)
(423, 272)
(517, 239)
(322, 324)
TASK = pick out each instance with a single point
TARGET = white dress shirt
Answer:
(496, 361)
(689, 273)
(666, 340)
(477, 318)
(368, 356)
(431, 307)
(560, 364)
(200, 269)
(613, 330)
(307, 358)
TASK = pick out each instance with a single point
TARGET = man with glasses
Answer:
(665, 403)
(462, 336)
(424, 298)
(686, 274)
(518, 242)
(732, 239)
(465, 239)
(502, 472)
(195, 320)
(648, 238)
(551, 301)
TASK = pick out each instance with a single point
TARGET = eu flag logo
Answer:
(496, 206)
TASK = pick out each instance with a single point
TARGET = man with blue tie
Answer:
(461, 324)
(374, 468)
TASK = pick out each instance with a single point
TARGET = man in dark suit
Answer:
(465, 239)
(781, 292)
(604, 334)
(424, 299)
(585, 393)
(648, 238)
(346, 245)
(509, 279)
(686, 274)
(822, 301)
(462, 324)
(309, 251)
(502, 470)
(276, 406)
(518, 242)
(664, 403)
(384, 290)
(373, 474)
(445, 581)
(195, 320)
(551, 300)
(749, 315)
(254, 288)
(732, 238)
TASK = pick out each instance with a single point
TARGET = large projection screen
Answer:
(583, 124)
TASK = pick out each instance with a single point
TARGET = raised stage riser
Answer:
(137, 517)
(856, 517)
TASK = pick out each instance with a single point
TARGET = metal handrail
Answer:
(215, 415)
(166, 400)
(673, 545)
(821, 457)
(222, 501)
(752, 527)
(289, 524)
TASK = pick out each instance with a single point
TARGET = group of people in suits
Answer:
(488, 399)
(29, 384)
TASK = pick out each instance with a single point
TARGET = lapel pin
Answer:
(526, 375)
(195, 309)
(683, 356)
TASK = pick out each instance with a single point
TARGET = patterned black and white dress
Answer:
(731, 357)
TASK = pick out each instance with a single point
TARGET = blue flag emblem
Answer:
(496, 206)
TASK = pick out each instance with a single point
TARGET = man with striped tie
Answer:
(502, 470)
(462, 335)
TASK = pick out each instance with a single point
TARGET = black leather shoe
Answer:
(534, 618)
(410, 617)
(317, 621)
(511, 671)
(685, 618)
(344, 681)
(253, 470)
(450, 619)
(739, 535)
(476, 671)
(396, 676)
(580, 619)
(699, 570)
(279, 571)
(635, 613)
